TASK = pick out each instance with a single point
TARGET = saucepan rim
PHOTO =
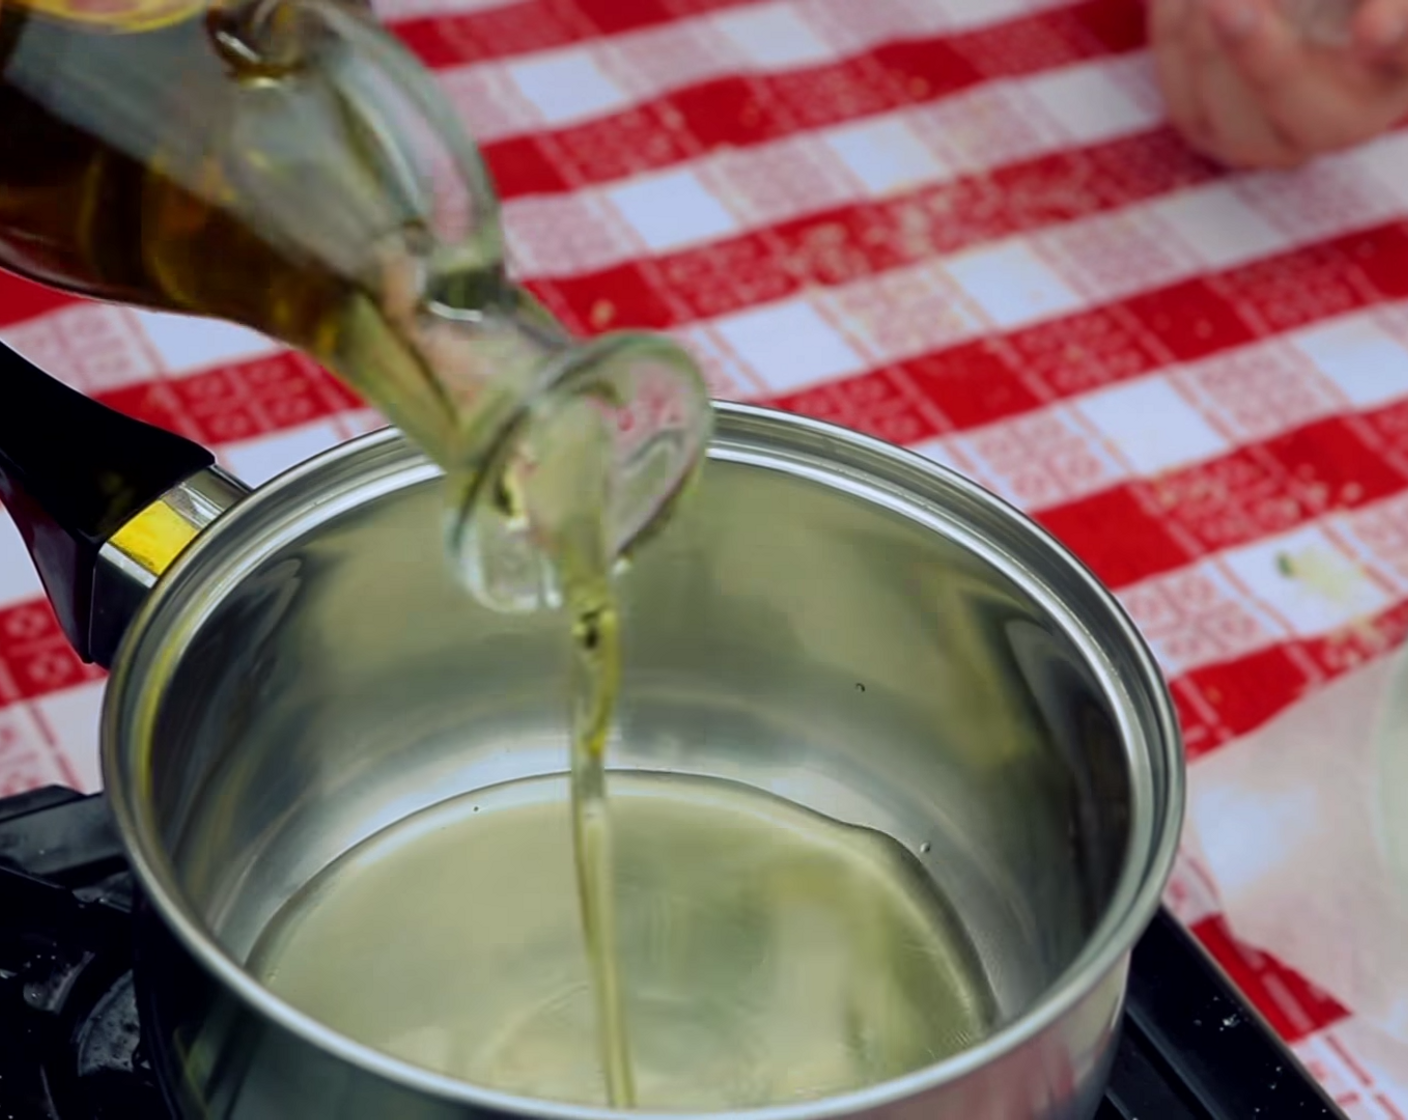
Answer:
(382, 463)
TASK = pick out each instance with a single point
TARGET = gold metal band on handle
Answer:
(156, 536)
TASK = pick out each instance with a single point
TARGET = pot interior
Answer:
(843, 626)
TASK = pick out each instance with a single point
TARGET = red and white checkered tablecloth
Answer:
(961, 225)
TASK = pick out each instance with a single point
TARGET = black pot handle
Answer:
(72, 473)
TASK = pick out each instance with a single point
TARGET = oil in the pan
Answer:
(767, 954)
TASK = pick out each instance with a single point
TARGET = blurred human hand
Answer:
(1247, 88)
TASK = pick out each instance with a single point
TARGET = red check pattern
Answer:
(960, 225)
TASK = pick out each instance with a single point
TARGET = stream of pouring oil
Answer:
(583, 564)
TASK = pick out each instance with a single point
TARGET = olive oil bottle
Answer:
(286, 165)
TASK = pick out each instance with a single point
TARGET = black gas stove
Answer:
(71, 1045)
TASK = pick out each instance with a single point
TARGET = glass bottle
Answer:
(287, 165)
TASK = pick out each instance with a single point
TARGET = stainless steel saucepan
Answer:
(295, 668)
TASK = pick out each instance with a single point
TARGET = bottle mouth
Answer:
(589, 467)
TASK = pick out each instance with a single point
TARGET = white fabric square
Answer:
(27, 760)
(188, 344)
(1378, 533)
(1090, 104)
(978, 13)
(489, 102)
(1217, 225)
(939, 451)
(1152, 425)
(1012, 284)
(672, 210)
(657, 59)
(1259, 391)
(896, 315)
(855, 27)
(565, 234)
(567, 85)
(1136, 76)
(789, 344)
(1386, 160)
(94, 347)
(1039, 459)
(785, 179)
(73, 715)
(774, 35)
(1306, 580)
(1369, 365)
(1110, 256)
(885, 155)
(1255, 824)
(18, 579)
(721, 371)
(992, 126)
(1197, 615)
(363, 420)
(258, 460)
(1329, 197)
